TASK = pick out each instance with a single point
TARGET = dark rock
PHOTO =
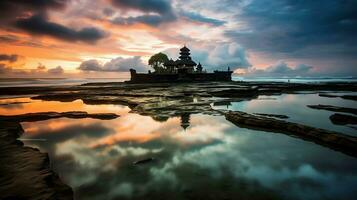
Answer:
(14, 103)
(348, 97)
(144, 161)
(31, 117)
(25, 172)
(328, 95)
(337, 141)
(333, 108)
(341, 119)
(272, 115)
(242, 92)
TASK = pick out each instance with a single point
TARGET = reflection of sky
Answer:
(212, 159)
(295, 106)
(30, 105)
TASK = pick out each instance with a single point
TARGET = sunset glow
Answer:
(52, 38)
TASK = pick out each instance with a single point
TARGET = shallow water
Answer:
(26, 82)
(211, 159)
(30, 82)
(295, 107)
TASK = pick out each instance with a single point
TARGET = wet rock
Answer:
(241, 92)
(162, 100)
(31, 117)
(337, 141)
(144, 161)
(272, 115)
(270, 91)
(348, 97)
(14, 103)
(328, 95)
(340, 119)
(334, 108)
(25, 172)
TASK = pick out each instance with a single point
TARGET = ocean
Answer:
(22, 82)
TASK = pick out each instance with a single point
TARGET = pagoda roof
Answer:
(184, 48)
(187, 62)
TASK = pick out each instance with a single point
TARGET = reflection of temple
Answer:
(185, 120)
(184, 69)
(223, 103)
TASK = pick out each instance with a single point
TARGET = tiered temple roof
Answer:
(185, 58)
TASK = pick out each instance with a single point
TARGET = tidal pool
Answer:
(295, 107)
(194, 156)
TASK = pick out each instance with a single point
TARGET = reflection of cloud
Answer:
(45, 106)
(211, 154)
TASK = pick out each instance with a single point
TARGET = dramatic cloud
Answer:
(152, 20)
(156, 12)
(203, 19)
(11, 9)
(115, 65)
(298, 28)
(281, 69)
(38, 24)
(240, 34)
(90, 65)
(9, 58)
(161, 7)
(57, 70)
(40, 70)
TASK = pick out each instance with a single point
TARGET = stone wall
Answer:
(185, 77)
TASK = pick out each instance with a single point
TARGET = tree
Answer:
(157, 62)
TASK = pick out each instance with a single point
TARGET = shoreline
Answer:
(33, 177)
(144, 99)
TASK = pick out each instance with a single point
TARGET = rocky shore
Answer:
(32, 178)
(32, 117)
(337, 141)
(25, 172)
(341, 119)
(334, 108)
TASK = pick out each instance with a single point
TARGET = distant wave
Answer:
(22, 82)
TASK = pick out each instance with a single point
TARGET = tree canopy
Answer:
(157, 61)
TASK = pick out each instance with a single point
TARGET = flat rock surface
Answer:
(25, 172)
(32, 178)
(334, 108)
(341, 119)
(163, 100)
(272, 115)
(31, 117)
(337, 141)
(348, 97)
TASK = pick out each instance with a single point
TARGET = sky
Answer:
(105, 38)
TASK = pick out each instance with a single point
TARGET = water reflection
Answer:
(295, 106)
(22, 105)
(209, 159)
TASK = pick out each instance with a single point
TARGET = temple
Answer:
(184, 69)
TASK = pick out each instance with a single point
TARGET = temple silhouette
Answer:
(184, 69)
